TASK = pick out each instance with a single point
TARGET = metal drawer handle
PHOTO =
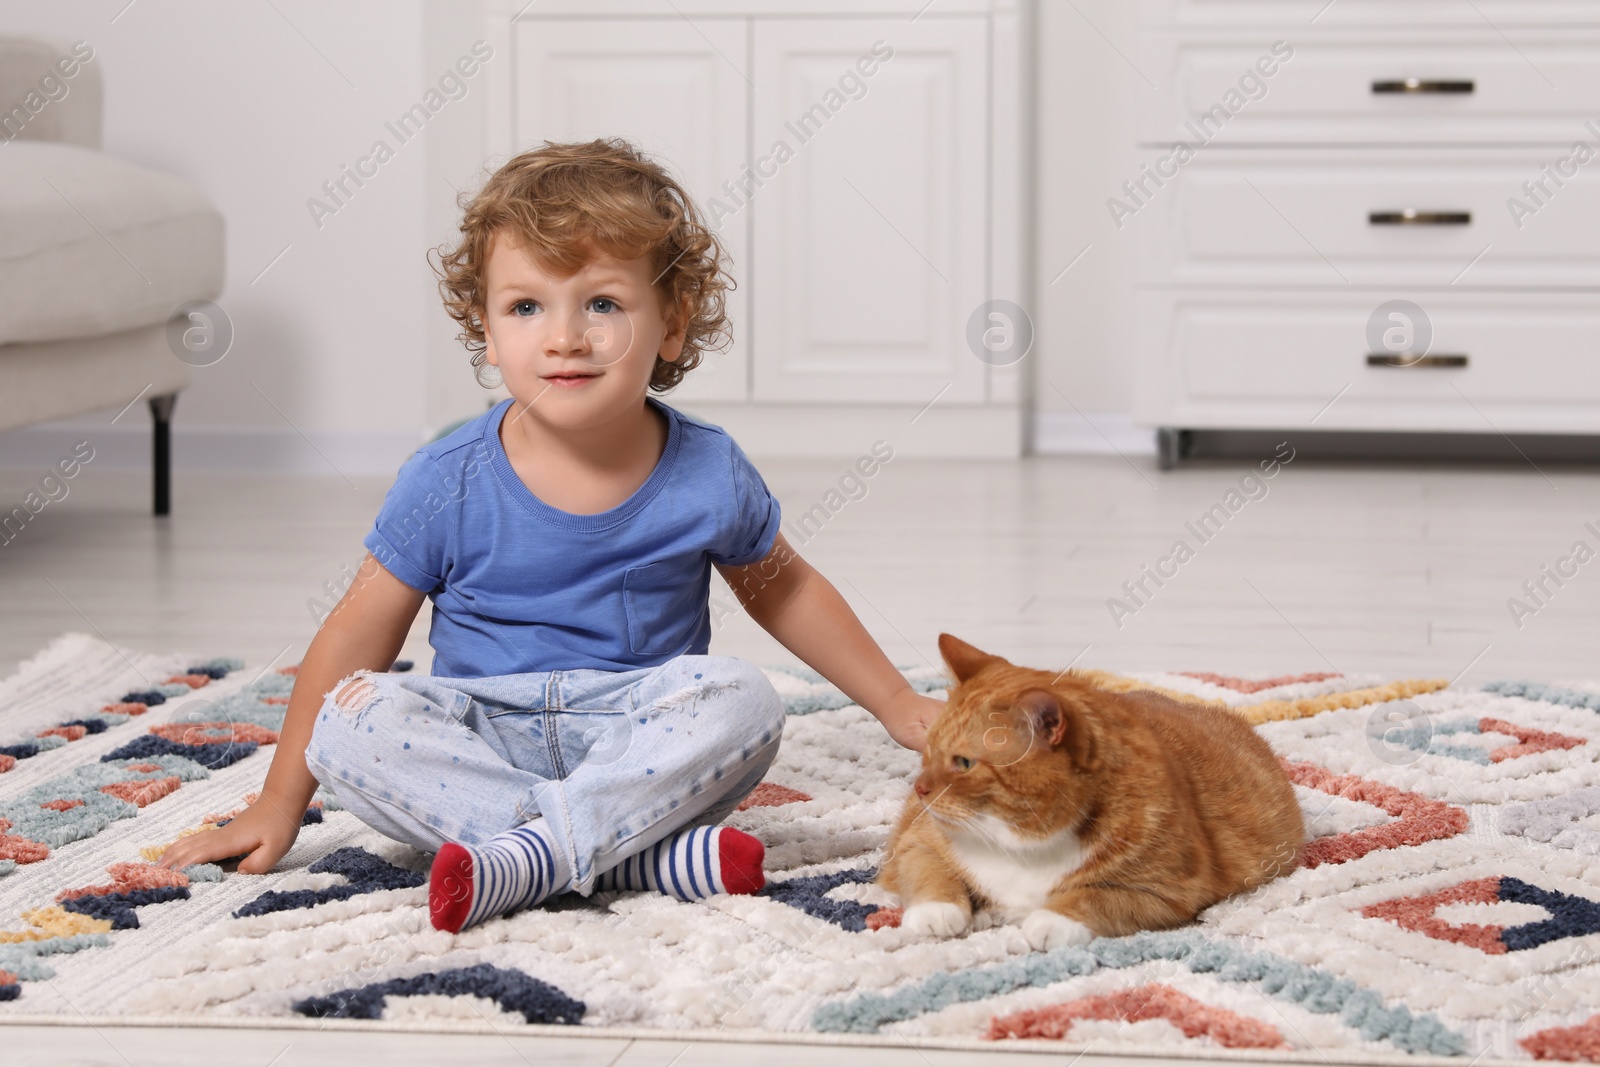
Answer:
(1389, 359)
(1412, 217)
(1421, 85)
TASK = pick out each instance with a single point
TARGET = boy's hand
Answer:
(266, 830)
(909, 716)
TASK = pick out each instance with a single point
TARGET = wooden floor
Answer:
(1343, 567)
(131, 1046)
(1402, 570)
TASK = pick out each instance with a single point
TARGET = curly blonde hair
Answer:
(561, 202)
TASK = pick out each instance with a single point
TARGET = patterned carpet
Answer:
(1449, 906)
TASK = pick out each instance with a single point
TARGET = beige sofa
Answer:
(97, 254)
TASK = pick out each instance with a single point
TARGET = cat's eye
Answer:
(961, 763)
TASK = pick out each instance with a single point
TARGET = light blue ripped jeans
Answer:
(614, 761)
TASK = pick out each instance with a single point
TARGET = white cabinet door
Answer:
(870, 209)
(679, 92)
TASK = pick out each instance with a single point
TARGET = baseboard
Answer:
(946, 431)
(1094, 433)
(951, 431)
(266, 450)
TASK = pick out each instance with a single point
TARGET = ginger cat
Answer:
(1081, 812)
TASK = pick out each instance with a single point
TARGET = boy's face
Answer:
(575, 352)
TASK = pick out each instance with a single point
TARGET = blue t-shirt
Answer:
(519, 586)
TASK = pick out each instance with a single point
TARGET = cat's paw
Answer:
(935, 918)
(1046, 930)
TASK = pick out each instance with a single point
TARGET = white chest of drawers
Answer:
(1366, 215)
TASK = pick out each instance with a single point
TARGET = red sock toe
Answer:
(741, 857)
(450, 888)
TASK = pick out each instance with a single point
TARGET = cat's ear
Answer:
(1046, 718)
(963, 659)
(1057, 724)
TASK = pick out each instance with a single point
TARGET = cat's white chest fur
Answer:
(1014, 872)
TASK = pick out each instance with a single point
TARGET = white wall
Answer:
(457, 164)
(1088, 87)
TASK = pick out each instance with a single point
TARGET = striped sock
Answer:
(514, 869)
(692, 864)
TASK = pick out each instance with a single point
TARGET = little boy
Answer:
(573, 733)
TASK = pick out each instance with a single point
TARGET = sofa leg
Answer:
(161, 459)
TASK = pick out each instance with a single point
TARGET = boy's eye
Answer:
(961, 763)
(603, 304)
(524, 307)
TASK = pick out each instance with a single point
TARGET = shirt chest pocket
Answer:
(663, 606)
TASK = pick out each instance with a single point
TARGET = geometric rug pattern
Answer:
(1448, 904)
